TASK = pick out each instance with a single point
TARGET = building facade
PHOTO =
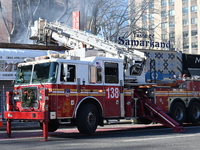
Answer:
(174, 21)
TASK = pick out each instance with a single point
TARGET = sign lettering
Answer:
(112, 92)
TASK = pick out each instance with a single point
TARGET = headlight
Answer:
(17, 95)
(40, 97)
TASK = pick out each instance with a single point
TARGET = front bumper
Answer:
(24, 115)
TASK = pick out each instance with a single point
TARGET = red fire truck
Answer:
(98, 80)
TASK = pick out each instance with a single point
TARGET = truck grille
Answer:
(30, 97)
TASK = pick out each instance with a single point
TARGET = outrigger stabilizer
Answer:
(149, 110)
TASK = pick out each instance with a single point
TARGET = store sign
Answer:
(9, 59)
(8, 67)
(193, 61)
(143, 40)
(76, 20)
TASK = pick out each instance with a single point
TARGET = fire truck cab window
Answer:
(68, 73)
(23, 74)
(45, 72)
(99, 75)
(95, 74)
(136, 69)
(111, 73)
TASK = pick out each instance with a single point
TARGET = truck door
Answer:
(112, 88)
(66, 96)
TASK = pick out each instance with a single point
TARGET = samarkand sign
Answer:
(143, 43)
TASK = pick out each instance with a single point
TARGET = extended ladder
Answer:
(72, 38)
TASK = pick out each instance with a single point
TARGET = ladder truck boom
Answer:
(44, 32)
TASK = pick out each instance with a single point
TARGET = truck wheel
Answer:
(87, 119)
(53, 125)
(194, 112)
(178, 112)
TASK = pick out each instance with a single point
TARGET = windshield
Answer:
(23, 74)
(41, 73)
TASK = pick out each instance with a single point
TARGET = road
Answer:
(115, 138)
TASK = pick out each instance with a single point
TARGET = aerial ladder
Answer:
(48, 32)
(54, 32)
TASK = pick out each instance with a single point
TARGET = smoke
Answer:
(96, 15)
(27, 11)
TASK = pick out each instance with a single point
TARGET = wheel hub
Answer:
(91, 119)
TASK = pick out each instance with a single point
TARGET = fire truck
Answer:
(97, 80)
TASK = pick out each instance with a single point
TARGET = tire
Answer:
(178, 112)
(87, 119)
(53, 125)
(194, 112)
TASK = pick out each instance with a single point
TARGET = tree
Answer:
(114, 18)
(107, 17)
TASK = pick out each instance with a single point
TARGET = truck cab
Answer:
(62, 88)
